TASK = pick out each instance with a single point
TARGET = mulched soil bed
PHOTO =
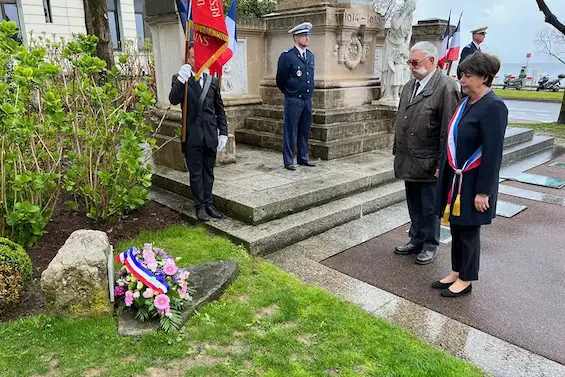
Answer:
(152, 217)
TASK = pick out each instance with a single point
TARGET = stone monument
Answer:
(395, 71)
(343, 40)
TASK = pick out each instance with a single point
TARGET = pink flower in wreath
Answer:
(170, 268)
(129, 298)
(148, 293)
(162, 302)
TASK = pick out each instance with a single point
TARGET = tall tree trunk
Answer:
(561, 119)
(551, 19)
(96, 18)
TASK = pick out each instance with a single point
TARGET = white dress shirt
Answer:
(301, 51)
(423, 82)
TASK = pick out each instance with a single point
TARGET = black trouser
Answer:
(200, 162)
(466, 250)
(424, 230)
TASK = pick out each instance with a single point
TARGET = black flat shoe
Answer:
(306, 163)
(290, 167)
(201, 215)
(213, 212)
(439, 285)
(408, 249)
(448, 293)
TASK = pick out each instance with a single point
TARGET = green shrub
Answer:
(15, 273)
(67, 122)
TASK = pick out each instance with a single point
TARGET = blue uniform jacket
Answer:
(468, 50)
(483, 123)
(295, 76)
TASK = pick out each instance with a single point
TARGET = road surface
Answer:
(529, 112)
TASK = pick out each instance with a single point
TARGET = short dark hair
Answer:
(480, 64)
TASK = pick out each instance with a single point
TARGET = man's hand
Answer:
(184, 73)
(222, 141)
(481, 202)
(436, 174)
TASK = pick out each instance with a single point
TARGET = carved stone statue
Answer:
(395, 71)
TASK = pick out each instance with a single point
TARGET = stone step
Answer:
(517, 135)
(523, 149)
(321, 132)
(276, 234)
(330, 116)
(319, 149)
(258, 207)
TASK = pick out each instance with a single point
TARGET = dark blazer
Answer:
(202, 123)
(483, 123)
(467, 51)
(295, 76)
(421, 126)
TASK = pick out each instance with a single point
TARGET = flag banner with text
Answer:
(210, 33)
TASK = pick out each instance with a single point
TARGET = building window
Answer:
(9, 12)
(47, 11)
(141, 26)
(114, 22)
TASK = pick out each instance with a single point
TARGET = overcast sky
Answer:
(512, 24)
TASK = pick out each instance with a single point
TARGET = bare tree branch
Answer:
(550, 18)
(551, 43)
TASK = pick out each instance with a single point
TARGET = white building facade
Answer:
(63, 18)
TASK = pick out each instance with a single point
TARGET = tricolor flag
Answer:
(455, 45)
(232, 34)
(442, 56)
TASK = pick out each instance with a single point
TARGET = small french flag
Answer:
(455, 45)
(232, 34)
(442, 56)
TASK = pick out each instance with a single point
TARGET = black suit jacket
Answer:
(484, 123)
(202, 124)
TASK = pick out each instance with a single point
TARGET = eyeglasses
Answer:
(416, 62)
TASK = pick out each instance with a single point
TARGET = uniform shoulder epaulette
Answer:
(287, 50)
(469, 45)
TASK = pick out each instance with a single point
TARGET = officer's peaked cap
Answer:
(301, 29)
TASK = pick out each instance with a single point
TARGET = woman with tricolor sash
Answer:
(469, 171)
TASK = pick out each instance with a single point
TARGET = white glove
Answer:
(222, 141)
(184, 73)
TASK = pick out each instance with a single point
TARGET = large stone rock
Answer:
(76, 281)
(208, 281)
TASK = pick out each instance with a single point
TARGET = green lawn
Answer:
(550, 129)
(268, 323)
(529, 95)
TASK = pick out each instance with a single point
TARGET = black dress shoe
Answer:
(448, 293)
(290, 167)
(426, 256)
(202, 215)
(306, 163)
(213, 212)
(407, 249)
(439, 285)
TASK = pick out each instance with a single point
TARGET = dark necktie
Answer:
(416, 87)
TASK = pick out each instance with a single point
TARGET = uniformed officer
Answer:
(478, 38)
(295, 78)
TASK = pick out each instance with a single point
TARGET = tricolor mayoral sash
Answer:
(141, 273)
(473, 162)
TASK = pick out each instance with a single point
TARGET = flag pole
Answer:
(186, 52)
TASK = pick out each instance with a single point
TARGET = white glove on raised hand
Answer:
(184, 73)
(222, 141)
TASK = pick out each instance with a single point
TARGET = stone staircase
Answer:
(333, 134)
(270, 208)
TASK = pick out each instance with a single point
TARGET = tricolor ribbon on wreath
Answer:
(473, 162)
(141, 273)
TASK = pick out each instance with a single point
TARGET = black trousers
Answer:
(466, 250)
(200, 162)
(424, 231)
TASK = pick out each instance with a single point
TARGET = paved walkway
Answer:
(511, 325)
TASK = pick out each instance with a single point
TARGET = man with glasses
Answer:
(478, 38)
(295, 79)
(427, 103)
